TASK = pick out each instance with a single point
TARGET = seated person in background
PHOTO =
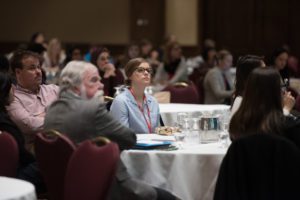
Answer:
(209, 57)
(292, 62)
(261, 108)
(38, 38)
(134, 108)
(218, 84)
(145, 47)
(110, 76)
(80, 114)
(245, 65)
(279, 60)
(53, 60)
(74, 52)
(27, 168)
(173, 68)
(132, 50)
(30, 98)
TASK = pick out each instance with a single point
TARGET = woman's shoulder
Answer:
(124, 96)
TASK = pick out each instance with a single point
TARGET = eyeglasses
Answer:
(142, 70)
(33, 68)
(105, 58)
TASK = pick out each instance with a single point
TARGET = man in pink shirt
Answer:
(30, 98)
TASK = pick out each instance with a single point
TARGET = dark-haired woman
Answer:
(110, 76)
(173, 68)
(27, 169)
(261, 110)
(245, 65)
(279, 60)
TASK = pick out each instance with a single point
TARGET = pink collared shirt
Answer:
(26, 107)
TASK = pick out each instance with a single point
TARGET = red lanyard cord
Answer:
(148, 123)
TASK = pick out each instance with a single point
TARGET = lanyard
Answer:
(148, 123)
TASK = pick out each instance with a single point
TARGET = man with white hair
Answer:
(79, 111)
(81, 114)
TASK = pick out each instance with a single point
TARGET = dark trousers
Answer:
(31, 173)
(164, 195)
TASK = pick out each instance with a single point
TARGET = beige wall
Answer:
(89, 21)
(182, 20)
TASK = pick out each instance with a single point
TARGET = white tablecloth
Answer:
(15, 189)
(169, 111)
(190, 173)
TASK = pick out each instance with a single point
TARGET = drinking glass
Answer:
(224, 135)
(181, 117)
(193, 134)
(179, 137)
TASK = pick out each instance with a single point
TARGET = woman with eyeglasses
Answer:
(134, 108)
(111, 77)
(261, 110)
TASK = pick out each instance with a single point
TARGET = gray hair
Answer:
(72, 74)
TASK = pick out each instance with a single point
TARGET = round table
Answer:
(189, 173)
(15, 189)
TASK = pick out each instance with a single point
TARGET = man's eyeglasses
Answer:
(33, 68)
(142, 70)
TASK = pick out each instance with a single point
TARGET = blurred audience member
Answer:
(30, 98)
(245, 65)
(154, 60)
(38, 38)
(27, 167)
(209, 57)
(87, 56)
(218, 84)
(146, 47)
(173, 68)
(132, 51)
(209, 43)
(53, 59)
(279, 60)
(73, 53)
(292, 62)
(133, 108)
(170, 38)
(111, 77)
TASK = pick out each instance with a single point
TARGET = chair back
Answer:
(53, 152)
(91, 170)
(9, 155)
(183, 93)
(259, 166)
